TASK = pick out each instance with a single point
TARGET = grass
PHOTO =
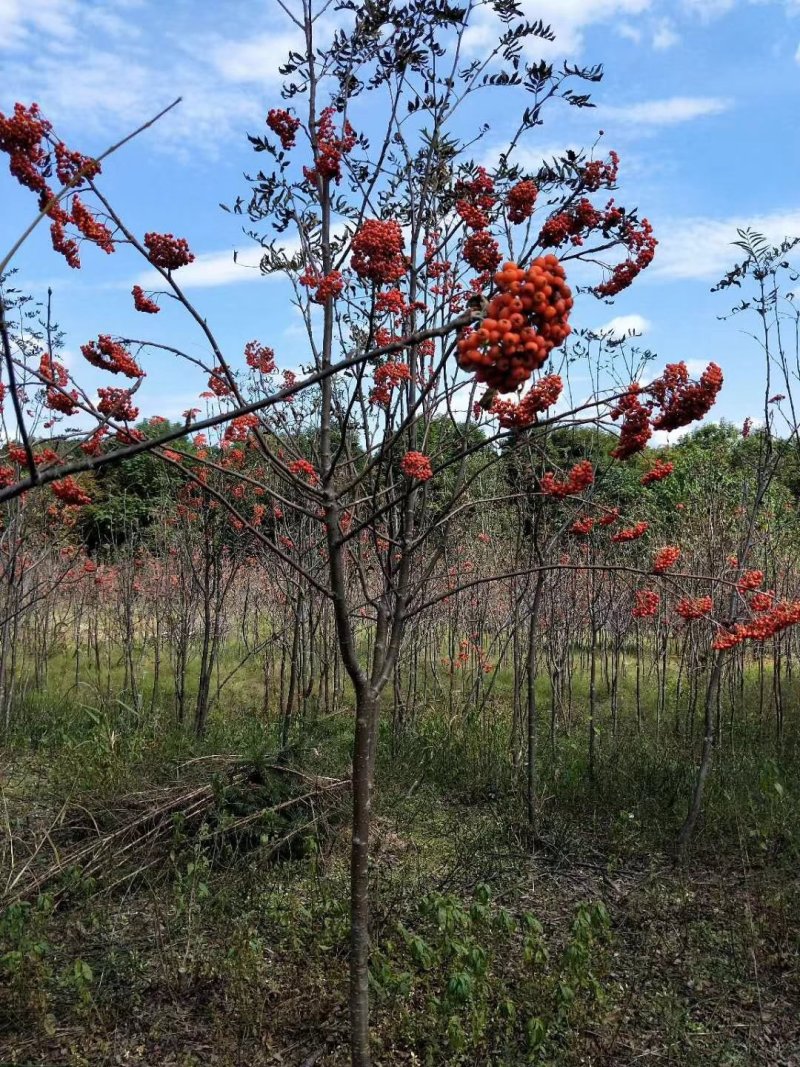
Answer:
(589, 947)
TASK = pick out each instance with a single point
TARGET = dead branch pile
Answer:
(269, 806)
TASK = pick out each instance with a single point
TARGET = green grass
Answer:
(232, 955)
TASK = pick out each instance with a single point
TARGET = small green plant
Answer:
(470, 979)
(24, 954)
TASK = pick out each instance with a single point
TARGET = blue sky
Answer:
(700, 99)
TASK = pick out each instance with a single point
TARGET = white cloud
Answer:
(708, 9)
(568, 19)
(630, 32)
(256, 60)
(211, 269)
(664, 36)
(623, 326)
(702, 248)
(20, 21)
(666, 112)
(94, 68)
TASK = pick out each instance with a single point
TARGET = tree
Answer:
(375, 453)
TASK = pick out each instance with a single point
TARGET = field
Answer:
(215, 931)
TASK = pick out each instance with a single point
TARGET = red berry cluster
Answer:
(167, 251)
(303, 468)
(239, 428)
(524, 322)
(108, 355)
(638, 239)
(116, 404)
(326, 287)
(579, 478)
(666, 558)
(92, 446)
(259, 357)
(18, 455)
(475, 199)
(391, 302)
(330, 148)
(636, 430)
(56, 396)
(142, 302)
(690, 608)
(573, 224)
(646, 605)
(521, 200)
(21, 137)
(378, 252)
(661, 470)
(583, 527)
(761, 601)
(540, 397)
(784, 614)
(283, 125)
(609, 518)
(89, 226)
(749, 581)
(7, 476)
(218, 383)
(416, 465)
(482, 252)
(69, 492)
(387, 378)
(681, 400)
(24, 137)
(631, 533)
(599, 173)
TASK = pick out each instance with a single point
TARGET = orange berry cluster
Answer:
(386, 378)
(303, 468)
(106, 354)
(539, 397)
(524, 322)
(579, 478)
(57, 397)
(646, 605)
(416, 465)
(665, 558)
(378, 251)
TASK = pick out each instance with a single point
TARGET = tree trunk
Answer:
(696, 803)
(364, 751)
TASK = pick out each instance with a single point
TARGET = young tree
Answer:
(421, 276)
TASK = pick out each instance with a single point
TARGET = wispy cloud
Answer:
(666, 112)
(664, 36)
(211, 269)
(702, 248)
(94, 68)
